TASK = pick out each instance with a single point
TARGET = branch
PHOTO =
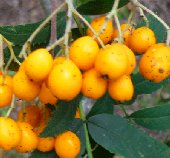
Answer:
(42, 25)
(68, 27)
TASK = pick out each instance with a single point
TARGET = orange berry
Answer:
(10, 134)
(67, 141)
(121, 89)
(7, 80)
(59, 60)
(45, 114)
(112, 61)
(141, 39)
(45, 95)
(29, 140)
(77, 113)
(31, 116)
(126, 33)
(93, 86)
(46, 144)
(155, 46)
(38, 64)
(5, 95)
(155, 63)
(65, 80)
(23, 87)
(83, 52)
(131, 60)
(40, 128)
(97, 24)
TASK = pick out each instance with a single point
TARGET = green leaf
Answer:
(156, 26)
(143, 86)
(154, 118)
(20, 33)
(78, 3)
(116, 135)
(39, 154)
(61, 118)
(102, 105)
(96, 7)
(76, 33)
(76, 126)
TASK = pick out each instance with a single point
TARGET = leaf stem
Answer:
(1, 55)
(88, 25)
(11, 107)
(143, 16)
(131, 15)
(42, 25)
(56, 43)
(124, 110)
(12, 57)
(88, 145)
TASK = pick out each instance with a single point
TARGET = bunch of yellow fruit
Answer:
(89, 69)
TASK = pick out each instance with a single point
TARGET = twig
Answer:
(95, 147)
(68, 27)
(124, 110)
(143, 16)
(57, 42)
(131, 15)
(88, 25)
(112, 13)
(88, 145)
(11, 107)
(12, 57)
(42, 25)
(1, 55)
(53, 24)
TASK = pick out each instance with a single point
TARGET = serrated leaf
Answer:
(156, 26)
(39, 154)
(154, 118)
(61, 118)
(102, 105)
(20, 33)
(116, 135)
(76, 126)
(94, 7)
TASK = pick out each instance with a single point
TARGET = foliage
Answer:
(113, 134)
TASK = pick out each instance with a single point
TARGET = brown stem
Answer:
(53, 24)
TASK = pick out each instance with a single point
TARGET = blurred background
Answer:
(21, 11)
(14, 12)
